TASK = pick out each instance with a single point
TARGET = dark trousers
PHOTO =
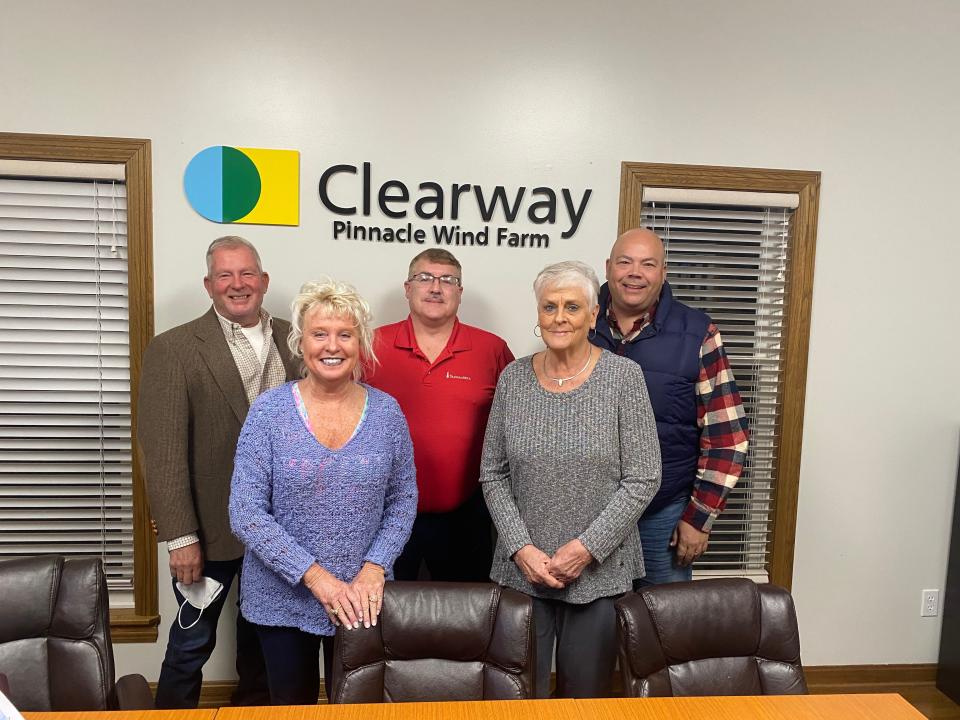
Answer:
(455, 546)
(188, 650)
(586, 642)
(293, 669)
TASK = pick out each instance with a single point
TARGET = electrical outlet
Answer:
(930, 603)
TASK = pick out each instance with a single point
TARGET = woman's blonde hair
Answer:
(333, 298)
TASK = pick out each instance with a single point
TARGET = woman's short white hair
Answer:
(338, 299)
(569, 273)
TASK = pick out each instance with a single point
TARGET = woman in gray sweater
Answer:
(570, 461)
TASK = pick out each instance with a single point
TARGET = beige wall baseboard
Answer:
(821, 679)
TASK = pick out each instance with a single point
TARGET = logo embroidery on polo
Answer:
(457, 377)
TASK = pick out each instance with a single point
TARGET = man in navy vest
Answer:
(700, 420)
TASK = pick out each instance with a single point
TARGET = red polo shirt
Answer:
(446, 404)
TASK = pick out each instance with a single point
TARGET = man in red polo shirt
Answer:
(443, 374)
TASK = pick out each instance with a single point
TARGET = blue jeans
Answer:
(181, 674)
(659, 559)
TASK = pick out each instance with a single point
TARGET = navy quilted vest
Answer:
(668, 351)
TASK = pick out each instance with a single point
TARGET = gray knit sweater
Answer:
(582, 464)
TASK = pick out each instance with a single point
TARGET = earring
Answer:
(536, 329)
(594, 331)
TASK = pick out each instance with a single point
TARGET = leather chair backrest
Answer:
(55, 633)
(439, 641)
(727, 636)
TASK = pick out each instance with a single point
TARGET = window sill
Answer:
(128, 627)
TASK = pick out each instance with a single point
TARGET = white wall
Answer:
(559, 94)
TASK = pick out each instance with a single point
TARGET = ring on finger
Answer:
(374, 598)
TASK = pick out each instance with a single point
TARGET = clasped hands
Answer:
(557, 571)
(348, 604)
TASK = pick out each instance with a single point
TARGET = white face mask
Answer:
(199, 594)
(7, 710)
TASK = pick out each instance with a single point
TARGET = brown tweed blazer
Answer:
(191, 408)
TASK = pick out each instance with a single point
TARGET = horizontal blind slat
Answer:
(732, 263)
(65, 451)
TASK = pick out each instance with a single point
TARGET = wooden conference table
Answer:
(126, 715)
(786, 707)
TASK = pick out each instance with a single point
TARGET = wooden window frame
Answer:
(140, 623)
(633, 177)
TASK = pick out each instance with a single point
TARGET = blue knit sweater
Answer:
(294, 502)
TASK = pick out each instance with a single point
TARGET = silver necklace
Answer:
(561, 381)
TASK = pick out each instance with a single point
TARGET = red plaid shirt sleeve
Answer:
(723, 434)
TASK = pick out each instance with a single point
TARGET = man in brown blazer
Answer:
(198, 381)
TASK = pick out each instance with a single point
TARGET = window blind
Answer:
(728, 256)
(65, 447)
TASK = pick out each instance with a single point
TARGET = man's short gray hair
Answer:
(338, 299)
(569, 273)
(231, 241)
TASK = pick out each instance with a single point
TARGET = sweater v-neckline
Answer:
(304, 416)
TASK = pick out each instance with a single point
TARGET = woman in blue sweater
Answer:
(323, 494)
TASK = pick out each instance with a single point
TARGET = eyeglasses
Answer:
(426, 278)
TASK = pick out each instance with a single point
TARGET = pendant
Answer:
(560, 383)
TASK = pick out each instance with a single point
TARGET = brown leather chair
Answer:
(439, 641)
(727, 636)
(55, 638)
